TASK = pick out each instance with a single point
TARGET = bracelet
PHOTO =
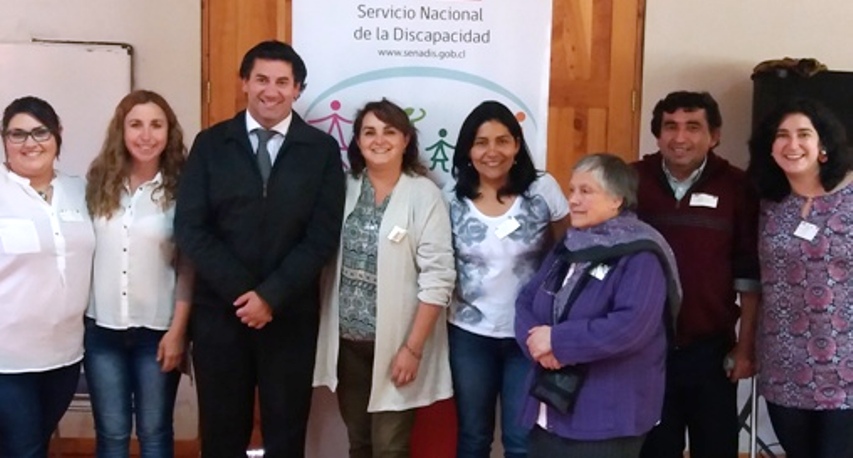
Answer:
(412, 351)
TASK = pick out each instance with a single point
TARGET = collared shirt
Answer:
(275, 142)
(134, 282)
(45, 269)
(680, 187)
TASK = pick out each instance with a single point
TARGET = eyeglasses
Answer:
(18, 136)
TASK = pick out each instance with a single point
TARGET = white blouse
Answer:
(45, 269)
(135, 278)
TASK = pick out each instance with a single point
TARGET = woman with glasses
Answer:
(46, 246)
(594, 322)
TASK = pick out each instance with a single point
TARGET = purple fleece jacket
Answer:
(615, 328)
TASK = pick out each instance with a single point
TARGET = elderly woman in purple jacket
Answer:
(600, 310)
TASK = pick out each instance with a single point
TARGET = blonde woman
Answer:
(137, 317)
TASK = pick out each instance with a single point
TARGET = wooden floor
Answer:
(83, 448)
(80, 448)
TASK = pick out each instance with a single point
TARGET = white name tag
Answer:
(397, 234)
(600, 271)
(806, 231)
(71, 216)
(700, 199)
(507, 227)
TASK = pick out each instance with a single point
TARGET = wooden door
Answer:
(596, 59)
(229, 29)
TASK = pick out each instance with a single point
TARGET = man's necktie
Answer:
(264, 161)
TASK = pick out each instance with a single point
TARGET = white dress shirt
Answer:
(45, 269)
(135, 278)
(275, 142)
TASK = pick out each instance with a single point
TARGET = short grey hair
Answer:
(614, 175)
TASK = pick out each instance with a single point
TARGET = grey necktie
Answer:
(264, 161)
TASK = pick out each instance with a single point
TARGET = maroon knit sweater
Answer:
(713, 246)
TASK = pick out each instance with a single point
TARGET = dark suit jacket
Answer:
(241, 238)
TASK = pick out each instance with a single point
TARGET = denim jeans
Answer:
(31, 405)
(485, 369)
(124, 379)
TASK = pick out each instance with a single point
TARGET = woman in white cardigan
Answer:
(383, 337)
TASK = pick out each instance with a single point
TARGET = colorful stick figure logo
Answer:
(335, 121)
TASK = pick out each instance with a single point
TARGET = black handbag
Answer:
(559, 388)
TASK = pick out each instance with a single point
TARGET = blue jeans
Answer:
(485, 369)
(124, 379)
(31, 405)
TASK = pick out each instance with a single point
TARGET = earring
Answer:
(822, 158)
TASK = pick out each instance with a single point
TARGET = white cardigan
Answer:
(417, 268)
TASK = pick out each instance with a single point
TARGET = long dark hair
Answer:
(522, 174)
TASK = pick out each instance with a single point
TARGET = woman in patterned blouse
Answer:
(802, 166)
(383, 337)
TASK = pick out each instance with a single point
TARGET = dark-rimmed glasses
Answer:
(18, 136)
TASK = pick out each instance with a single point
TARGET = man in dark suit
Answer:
(259, 213)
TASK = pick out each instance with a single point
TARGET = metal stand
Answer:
(750, 412)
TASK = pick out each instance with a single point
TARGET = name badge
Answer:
(600, 271)
(397, 234)
(700, 199)
(507, 227)
(806, 231)
(71, 216)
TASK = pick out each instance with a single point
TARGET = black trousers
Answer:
(232, 361)
(699, 399)
(813, 433)
(546, 445)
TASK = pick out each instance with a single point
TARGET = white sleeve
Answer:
(547, 187)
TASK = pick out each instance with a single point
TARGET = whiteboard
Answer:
(82, 82)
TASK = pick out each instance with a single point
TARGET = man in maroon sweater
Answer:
(707, 211)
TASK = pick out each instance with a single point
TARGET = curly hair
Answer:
(523, 172)
(391, 114)
(770, 180)
(687, 101)
(110, 170)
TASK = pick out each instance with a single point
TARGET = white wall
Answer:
(166, 37)
(713, 46)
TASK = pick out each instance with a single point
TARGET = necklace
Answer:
(45, 195)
